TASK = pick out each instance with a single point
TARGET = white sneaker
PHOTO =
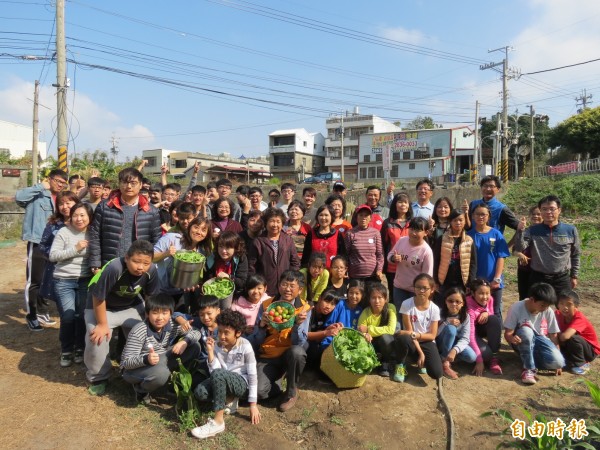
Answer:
(209, 429)
(231, 407)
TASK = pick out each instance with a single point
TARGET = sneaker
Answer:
(143, 398)
(495, 366)
(384, 371)
(399, 373)
(231, 407)
(78, 356)
(423, 371)
(97, 388)
(528, 376)
(209, 429)
(45, 319)
(448, 371)
(66, 359)
(581, 370)
(34, 325)
(288, 403)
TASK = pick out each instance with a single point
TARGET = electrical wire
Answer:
(561, 67)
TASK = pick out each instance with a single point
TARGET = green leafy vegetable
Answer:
(189, 257)
(353, 352)
(220, 288)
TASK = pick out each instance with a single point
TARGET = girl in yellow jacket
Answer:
(378, 323)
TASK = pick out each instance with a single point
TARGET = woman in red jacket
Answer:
(324, 238)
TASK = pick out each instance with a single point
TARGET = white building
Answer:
(417, 154)
(354, 125)
(296, 154)
(212, 167)
(18, 139)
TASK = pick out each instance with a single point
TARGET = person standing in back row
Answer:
(501, 215)
(38, 201)
(423, 206)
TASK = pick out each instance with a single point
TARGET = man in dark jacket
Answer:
(124, 217)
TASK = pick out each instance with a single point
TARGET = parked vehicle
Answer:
(329, 177)
(312, 180)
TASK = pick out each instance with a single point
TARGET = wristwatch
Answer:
(498, 280)
(413, 335)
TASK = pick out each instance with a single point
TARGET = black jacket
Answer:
(107, 228)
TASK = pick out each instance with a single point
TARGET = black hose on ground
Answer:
(449, 419)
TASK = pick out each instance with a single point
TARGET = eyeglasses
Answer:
(423, 190)
(489, 186)
(481, 214)
(287, 191)
(286, 286)
(422, 289)
(59, 181)
(550, 210)
(130, 183)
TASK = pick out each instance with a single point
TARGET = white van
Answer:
(329, 177)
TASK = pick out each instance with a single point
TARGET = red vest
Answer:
(328, 245)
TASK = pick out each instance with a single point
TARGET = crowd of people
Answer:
(422, 282)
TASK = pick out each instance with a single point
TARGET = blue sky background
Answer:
(269, 73)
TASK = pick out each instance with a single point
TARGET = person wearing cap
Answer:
(364, 248)
(340, 188)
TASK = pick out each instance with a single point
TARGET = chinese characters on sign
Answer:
(397, 142)
(576, 429)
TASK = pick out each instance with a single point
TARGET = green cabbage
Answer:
(353, 352)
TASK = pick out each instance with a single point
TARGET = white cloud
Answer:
(92, 125)
(404, 35)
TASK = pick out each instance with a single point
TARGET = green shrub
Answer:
(579, 195)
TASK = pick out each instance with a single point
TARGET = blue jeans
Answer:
(538, 351)
(447, 339)
(71, 296)
(399, 296)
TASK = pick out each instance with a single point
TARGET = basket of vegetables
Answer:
(349, 359)
(222, 288)
(281, 315)
(187, 269)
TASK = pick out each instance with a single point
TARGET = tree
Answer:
(579, 133)
(422, 123)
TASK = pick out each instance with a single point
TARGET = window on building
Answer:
(437, 152)
(379, 157)
(394, 171)
(304, 162)
(396, 156)
(405, 155)
(351, 152)
(304, 143)
(411, 166)
(367, 158)
(283, 160)
(380, 172)
(363, 173)
(181, 163)
(151, 161)
(284, 140)
(372, 171)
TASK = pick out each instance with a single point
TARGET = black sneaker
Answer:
(45, 319)
(78, 356)
(34, 325)
(66, 359)
(384, 371)
(142, 398)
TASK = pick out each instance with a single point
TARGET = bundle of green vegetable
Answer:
(353, 352)
(219, 287)
(189, 257)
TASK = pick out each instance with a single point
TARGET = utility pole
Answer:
(516, 143)
(498, 148)
(61, 86)
(584, 98)
(476, 155)
(113, 148)
(342, 134)
(34, 145)
(532, 137)
(504, 142)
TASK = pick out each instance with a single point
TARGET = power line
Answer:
(562, 67)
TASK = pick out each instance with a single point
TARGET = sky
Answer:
(219, 76)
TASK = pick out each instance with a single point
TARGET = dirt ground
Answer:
(45, 407)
